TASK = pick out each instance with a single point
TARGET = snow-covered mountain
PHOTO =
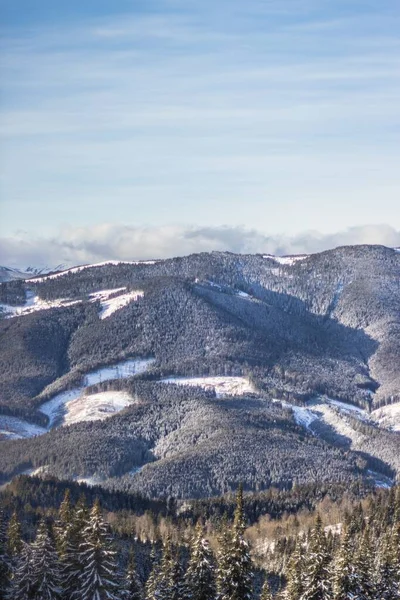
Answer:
(267, 369)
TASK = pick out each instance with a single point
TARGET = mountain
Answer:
(180, 377)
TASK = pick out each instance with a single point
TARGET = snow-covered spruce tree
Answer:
(317, 573)
(46, 576)
(266, 591)
(164, 581)
(21, 583)
(179, 588)
(224, 542)
(386, 584)
(200, 574)
(4, 559)
(235, 574)
(294, 587)
(133, 586)
(63, 524)
(151, 582)
(99, 578)
(396, 540)
(344, 578)
(73, 539)
(365, 588)
(14, 540)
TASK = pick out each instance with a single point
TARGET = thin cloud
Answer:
(124, 242)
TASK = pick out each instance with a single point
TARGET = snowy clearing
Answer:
(302, 416)
(73, 405)
(223, 386)
(92, 266)
(95, 407)
(286, 260)
(388, 416)
(12, 428)
(34, 303)
(108, 305)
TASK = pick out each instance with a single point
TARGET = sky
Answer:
(149, 128)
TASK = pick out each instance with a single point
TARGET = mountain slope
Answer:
(297, 328)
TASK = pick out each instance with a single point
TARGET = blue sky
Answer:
(279, 116)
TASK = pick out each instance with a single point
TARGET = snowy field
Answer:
(286, 260)
(92, 266)
(12, 428)
(73, 405)
(110, 301)
(388, 416)
(223, 386)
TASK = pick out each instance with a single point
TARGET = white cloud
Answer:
(125, 242)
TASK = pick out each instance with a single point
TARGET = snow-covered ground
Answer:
(34, 303)
(286, 260)
(12, 428)
(94, 407)
(112, 300)
(388, 416)
(73, 405)
(223, 386)
(94, 265)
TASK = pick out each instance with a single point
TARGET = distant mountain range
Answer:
(181, 377)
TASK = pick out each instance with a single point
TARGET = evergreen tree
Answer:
(200, 575)
(21, 585)
(266, 591)
(180, 589)
(317, 576)
(152, 580)
(235, 573)
(46, 574)
(4, 559)
(14, 540)
(63, 524)
(164, 580)
(294, 587)
(133, 586)
(72, 541)
(386, 587)
(344, 582)
(99, 579)
(363, 566)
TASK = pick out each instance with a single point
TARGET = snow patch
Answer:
(33, 304)
(12, 428)
(286, 260)
(387, 416)
(73, 405)
(111, 305)
(223, 386)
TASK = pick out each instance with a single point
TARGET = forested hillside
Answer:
(270, 370)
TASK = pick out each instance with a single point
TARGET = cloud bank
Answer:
(74, 246)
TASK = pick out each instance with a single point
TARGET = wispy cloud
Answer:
(122, 242)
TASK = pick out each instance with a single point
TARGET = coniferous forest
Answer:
(79, 551)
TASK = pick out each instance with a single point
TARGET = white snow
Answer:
(34, 303)
(94, 407)
(286, 260)
(387, 416)
(73, 405)
(13, 428)
(111, 305)
(91, 266)
(223, 386)
(302, 416)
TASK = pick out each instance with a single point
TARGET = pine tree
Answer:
(235, 574)
(364, 568)
(21, 584)
(71, 545)
(14, 544)
(386, 587)
(200, 575)
(317, 576)
(164, 580)
(294, 587)
(46, 574)
(99, 578)
(344, 582)
(4, 558)
(266, 591)
(180, 589)
(133, 587)
(152, 580)
(63, 524)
